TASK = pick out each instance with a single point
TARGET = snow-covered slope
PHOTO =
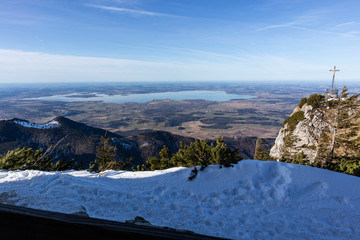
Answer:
(51, 124)
(252, 200)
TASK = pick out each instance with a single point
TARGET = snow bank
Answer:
(51, 124)
(252, 200)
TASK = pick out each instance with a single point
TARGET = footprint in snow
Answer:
(214, 195)
(159, 190)
(312, 190)
(173, 207)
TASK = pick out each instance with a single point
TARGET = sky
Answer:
(178, 40)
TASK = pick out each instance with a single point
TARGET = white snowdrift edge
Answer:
(252, 200)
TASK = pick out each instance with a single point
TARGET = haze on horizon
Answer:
(178, 40)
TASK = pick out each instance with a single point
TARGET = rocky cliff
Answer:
(320, 129)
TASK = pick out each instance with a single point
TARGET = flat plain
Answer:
(262, 116)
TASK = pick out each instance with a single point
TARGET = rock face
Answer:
(320, 130)
(306, 135)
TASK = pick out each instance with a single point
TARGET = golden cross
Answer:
(333, 70)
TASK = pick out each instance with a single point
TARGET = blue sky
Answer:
(178, 40)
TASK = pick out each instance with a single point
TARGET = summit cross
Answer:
(333, 70)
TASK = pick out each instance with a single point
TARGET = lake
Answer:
(219, 96)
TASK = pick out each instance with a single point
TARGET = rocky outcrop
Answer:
(316, 131)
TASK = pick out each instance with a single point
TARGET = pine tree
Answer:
(166, 156)
(163, 162)
(185, 156)
(344, 92)
(260, 152)
(65, 164)
(300, 158)
(222, 155)
(105, 156)
(198, 153)
(202, 153)
(26, 158)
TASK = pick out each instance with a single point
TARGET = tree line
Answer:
(199, 154)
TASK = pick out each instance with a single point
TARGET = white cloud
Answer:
(350, 34)
(132, 11)
(17, 21)
(310, 18)
(208, 54)
(346, 24)
(20, 66)
(305, 23)
(288, 24)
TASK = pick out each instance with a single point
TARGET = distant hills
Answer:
(65, 138)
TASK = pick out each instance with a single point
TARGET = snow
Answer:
(51, 124)
(122, 143)
(252, 200)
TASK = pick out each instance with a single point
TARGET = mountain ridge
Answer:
(70, 139)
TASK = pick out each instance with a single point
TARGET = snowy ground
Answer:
(253, 200)
(52, 124)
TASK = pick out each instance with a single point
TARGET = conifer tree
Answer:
(198, 153)
(27, 158)
(344, 92)
(260, 152)
(185, 156)
(222, 155)
(300, 157)
(105, 156)
(202, 153)
(163, 162)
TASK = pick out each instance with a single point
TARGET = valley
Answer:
(257, 117)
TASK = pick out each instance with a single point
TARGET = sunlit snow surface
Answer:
(52, 124)
(252, 200)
